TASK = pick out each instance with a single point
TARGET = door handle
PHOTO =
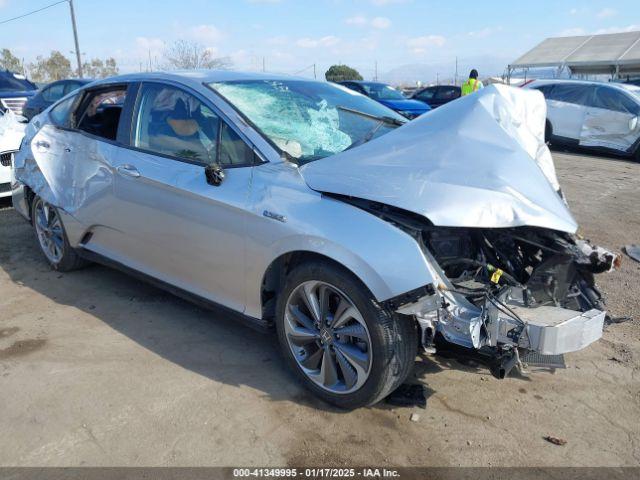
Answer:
(128, 171)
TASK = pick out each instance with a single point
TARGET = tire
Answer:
(548, 132)
(52, 237)
(390, 347)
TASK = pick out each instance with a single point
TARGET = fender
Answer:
(294, 218)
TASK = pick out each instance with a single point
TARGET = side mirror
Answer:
(214, 174)
(633, 123)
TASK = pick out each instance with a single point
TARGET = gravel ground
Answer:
(97, 368)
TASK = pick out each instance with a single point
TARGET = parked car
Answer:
(300, 205)
(50, 94)
(12, 129)
(599, 116)
(437, 95)
(15, 90)
(389, 97)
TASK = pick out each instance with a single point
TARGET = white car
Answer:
(12, 129)
(604, 116)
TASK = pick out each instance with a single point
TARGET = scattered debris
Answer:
(414, 417)
(555, 440)
(611, 320)
(469, 442)
(407, 395)
(633, 251)
(615, 359)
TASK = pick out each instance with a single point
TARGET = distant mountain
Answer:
(444, 71)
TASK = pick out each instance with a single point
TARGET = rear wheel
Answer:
(344, 346)
(52, 237)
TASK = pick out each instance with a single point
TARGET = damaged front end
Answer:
(504, 291)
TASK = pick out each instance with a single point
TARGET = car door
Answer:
(74, 152)
(566, 109)
(176, 226)
(611, 120)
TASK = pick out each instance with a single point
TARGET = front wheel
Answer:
(344, 346)
(52, 237)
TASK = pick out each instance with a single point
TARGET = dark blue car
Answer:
(389, 97)
(51, 93)
(15, 90)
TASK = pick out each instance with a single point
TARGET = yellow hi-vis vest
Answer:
(470, 86)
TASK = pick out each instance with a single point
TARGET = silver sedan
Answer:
(306, 206)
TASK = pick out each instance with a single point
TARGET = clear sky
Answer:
(294, 34)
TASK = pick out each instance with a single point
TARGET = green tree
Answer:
(8, 61)
(341, 73)
(97, 68)
(54, 67)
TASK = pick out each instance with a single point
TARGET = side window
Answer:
(233, 150)
(576, 94)
(426, 94)
(60, 114)
(71, 86)
(175, 123)
(447, 93)
(53, 93)
(547, 91)
(610, 99)
(100, 112)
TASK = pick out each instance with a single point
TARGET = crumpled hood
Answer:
(479, 161)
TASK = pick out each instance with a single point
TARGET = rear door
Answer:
(611, 121)
(74, 153)
(177, 227)
(566, 109)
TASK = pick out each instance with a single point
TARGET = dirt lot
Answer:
(99, 369)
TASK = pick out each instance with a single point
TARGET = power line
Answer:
(32, 12)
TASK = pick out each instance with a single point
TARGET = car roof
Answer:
(198, 77)
(364, 82)
(554, 81)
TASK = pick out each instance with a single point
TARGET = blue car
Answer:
(389, 97)
(15, 90)
(50, 94)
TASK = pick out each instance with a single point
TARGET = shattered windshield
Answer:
(308, 120)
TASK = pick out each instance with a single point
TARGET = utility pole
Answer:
(75, 38)
(314, 71)
(455, 82)
(376, 70)
(263, 65)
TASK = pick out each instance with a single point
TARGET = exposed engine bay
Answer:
(504, 290)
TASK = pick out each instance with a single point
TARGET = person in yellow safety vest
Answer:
(473, 84)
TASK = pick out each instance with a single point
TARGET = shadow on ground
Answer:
(210, 343)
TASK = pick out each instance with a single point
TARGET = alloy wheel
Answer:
(49, 229)
(328, 337)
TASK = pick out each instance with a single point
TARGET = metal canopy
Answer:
(614, 53)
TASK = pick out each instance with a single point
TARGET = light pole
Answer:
(75, 38)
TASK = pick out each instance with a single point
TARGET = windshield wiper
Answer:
(381, 118)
